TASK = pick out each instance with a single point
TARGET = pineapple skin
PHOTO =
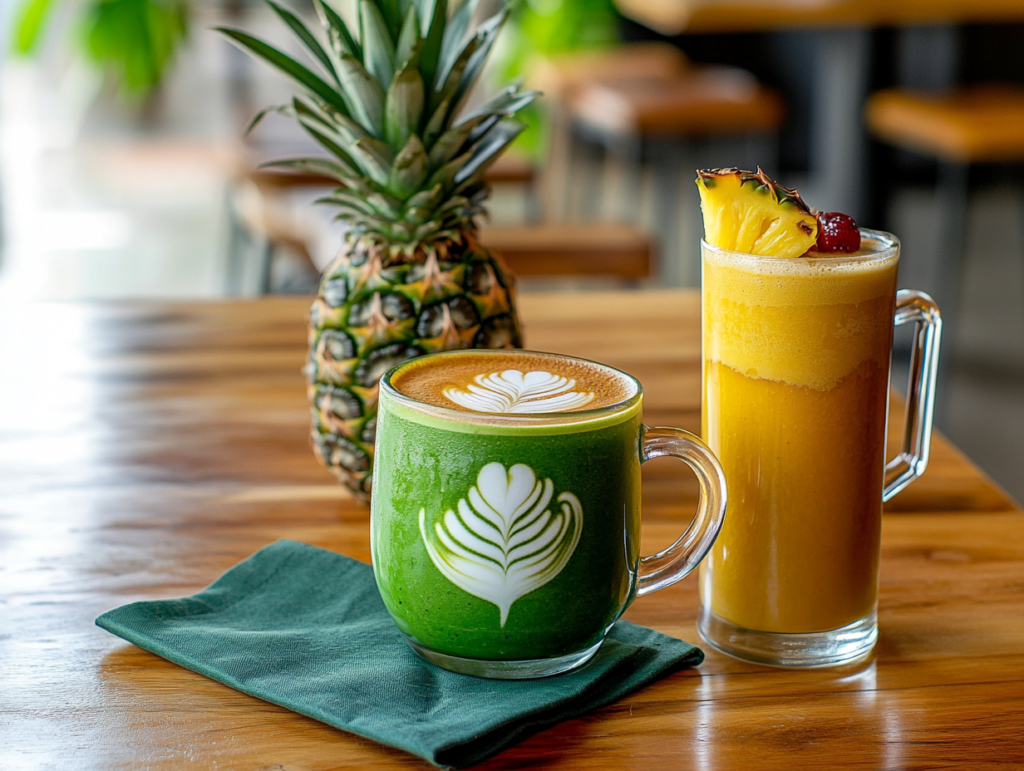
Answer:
(369, 316)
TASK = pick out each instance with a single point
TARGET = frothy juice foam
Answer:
(796, 373)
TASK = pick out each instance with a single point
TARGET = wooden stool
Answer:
(656, 119)
(590, 249)
(562, 77)
(982, 124)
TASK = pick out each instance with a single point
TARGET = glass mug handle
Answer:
(912, 460)
(668, 566)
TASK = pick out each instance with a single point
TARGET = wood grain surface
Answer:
(672, 17)
(144, 450)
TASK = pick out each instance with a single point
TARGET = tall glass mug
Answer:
(505, 518)
(797, 356)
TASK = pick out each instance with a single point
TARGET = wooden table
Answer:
(146, 449)
(672, 17)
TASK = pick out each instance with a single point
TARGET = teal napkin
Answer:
(306, 629)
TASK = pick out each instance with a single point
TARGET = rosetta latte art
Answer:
(504, 542)
(512, 391)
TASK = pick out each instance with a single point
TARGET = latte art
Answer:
(514, 392)
(512, 383)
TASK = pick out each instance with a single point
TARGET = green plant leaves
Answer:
(134, 39)
(30, 20)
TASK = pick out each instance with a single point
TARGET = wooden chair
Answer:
(658, 121)
(958, 129)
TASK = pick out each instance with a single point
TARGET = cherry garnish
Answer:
(837, 232)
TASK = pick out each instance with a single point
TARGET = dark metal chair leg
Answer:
(235, 245)
(953, 197)
(666, 163)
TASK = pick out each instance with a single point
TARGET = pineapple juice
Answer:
(796, 374)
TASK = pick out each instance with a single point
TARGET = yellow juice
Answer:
(796, 374)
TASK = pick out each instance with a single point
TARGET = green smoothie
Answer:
(505, 516)
(506, 542)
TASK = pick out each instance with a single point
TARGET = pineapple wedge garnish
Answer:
(748, 212)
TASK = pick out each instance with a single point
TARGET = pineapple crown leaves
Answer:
(384, 98)
(761, 181)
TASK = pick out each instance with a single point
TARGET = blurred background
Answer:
(126, 174)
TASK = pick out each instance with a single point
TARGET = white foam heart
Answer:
(512, 391)
(504, 542)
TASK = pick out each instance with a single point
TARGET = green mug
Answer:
(505, 515)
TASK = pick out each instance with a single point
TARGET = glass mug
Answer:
(505, 545)
(797, 359)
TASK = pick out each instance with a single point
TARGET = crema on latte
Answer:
(512, 383)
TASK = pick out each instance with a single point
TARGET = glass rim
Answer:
(504, 419)
(890, 246)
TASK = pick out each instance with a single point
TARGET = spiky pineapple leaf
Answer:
(487, 34)
(410, 169)
(451, 142)
(410, 41)
(386, 205)
(363, 94)
(445, 90)
(427, 199)
(331, 142)
(338, 34)
(403, 109)
(375, 158)
(378, 47)
(435, 126)
(455, 34)
(348, 200)
(392, 14)
(286, 64)
(433, 14)
(445, 176)
(280, 109)
(333, 169)
(486, 151)
(506, 102)
(308, 38)
(504, 105)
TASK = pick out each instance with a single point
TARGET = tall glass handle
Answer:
(668, 566)
(918, 307)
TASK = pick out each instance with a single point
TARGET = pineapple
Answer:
(411, 277)
(747, 212)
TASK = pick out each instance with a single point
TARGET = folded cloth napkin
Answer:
(306, 629)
